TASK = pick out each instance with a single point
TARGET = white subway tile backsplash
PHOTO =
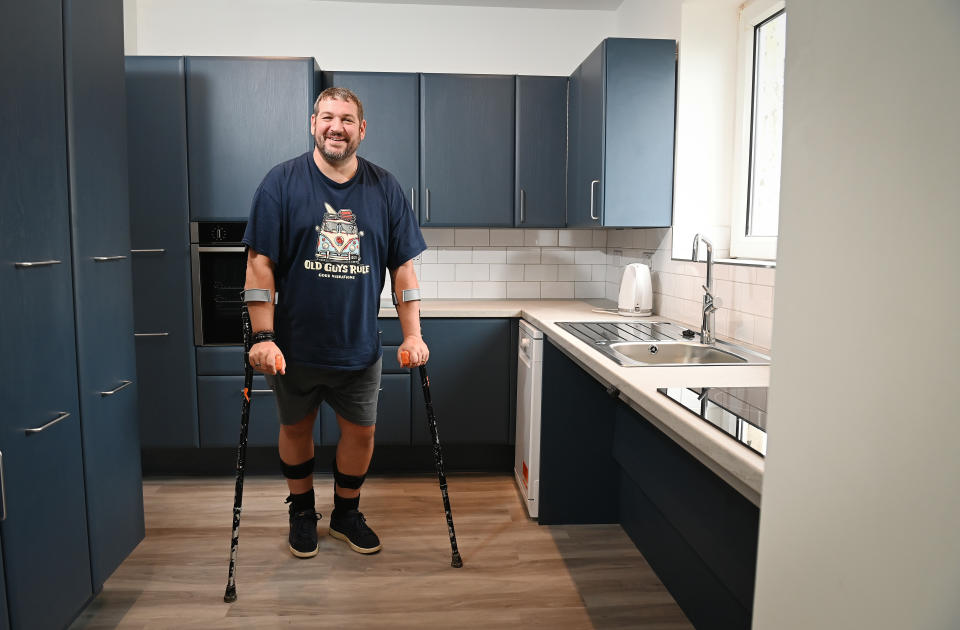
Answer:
(489, 255)
(556, 290)
(523, 290)
(454, 255)
(437, 237)
(742, 326)
(523, 255)
(589, 289)
(540, 273)
(556, 256)
(472, 272)
(620, 238)
(599, 273)
(489, 290)
(428, 290)
(506, 237)
(454, 290)
(574, 272)
(753, 298)
(540, 238)
(428, 256)
(575, 238)
(471, 237)
(506, 272)
(744, 274)
(763, 335)
(590, 257)
(599, 238)
(437, 272)
(766, 276)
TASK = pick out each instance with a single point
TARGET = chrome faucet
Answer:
(710, 304)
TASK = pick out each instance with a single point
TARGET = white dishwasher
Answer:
(529, 387)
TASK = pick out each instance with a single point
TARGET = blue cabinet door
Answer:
(99, 209)
(391, 106)
(540, 191)
(244, 116)
(467, 150)
(622, 103)
(469, 381)
(46, 584)
(585, 175)
(159, 240)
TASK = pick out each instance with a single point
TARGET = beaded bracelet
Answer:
(264, 335)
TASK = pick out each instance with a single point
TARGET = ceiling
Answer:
(567, 5)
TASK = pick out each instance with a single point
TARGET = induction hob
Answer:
(740, 412)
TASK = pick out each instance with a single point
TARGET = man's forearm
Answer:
(260, 276)
(407, 312)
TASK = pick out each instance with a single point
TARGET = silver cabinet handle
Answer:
(159, 334)
(3, 489)
(413, 199)
(523, 206)
(592, 216)
(259, 391)
(161, 250)
(36, 263)
(107, 258)
(428, 205)
(117, 388)
(213, 249)
(63, 416)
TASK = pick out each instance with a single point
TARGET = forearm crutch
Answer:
(230, 595)
(455, 560)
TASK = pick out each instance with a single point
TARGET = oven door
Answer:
(219, 272)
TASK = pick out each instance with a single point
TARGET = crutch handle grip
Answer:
(405, 358)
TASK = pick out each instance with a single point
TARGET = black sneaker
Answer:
(303, 533)
(351, 527)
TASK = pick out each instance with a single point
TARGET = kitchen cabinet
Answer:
(469, 381)
(100, 222)
(245, 115)
(391, 105)
(541, 152)
(467, 130)
(621, 125)
(579, 480)
(159, 238)
(698, 533)
(219, 395)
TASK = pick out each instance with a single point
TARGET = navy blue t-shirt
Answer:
(330, 244)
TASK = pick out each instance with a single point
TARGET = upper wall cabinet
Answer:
(540, 190)
(622, 104)
(391, 106)
(467, 126)
(244, 116)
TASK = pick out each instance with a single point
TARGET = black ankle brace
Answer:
(341, 504)
(301, 502)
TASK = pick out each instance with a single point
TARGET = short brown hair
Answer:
(338, 94)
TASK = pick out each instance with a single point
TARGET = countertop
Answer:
(731, 461)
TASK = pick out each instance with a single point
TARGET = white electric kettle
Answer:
(636, 291)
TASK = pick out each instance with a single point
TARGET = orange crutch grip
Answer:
(404, 358)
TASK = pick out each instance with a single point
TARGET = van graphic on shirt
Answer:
(338, 237)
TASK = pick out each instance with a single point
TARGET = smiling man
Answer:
(324, 228)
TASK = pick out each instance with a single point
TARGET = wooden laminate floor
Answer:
(516, 574)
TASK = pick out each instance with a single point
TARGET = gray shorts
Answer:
(353, 394)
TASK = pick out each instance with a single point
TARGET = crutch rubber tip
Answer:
(230, 595)
(456, 563)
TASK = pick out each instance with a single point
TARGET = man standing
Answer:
(323, 228)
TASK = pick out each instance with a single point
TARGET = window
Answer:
(756, 197)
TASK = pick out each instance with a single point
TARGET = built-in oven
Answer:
(218, 261)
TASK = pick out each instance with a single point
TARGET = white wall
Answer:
(860, 522)
(395, 37)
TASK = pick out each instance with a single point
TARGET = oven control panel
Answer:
(217, 232)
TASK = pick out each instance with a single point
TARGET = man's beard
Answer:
(336, 156)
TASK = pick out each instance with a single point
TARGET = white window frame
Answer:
(741, 245)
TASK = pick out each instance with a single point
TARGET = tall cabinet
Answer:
(66, 454)
(160, 250)
(622, 104)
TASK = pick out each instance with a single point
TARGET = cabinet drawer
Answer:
(390, 363)
(391, 334)
(220, 360)
(219, 401)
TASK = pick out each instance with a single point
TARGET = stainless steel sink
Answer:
(635, 343)
(673, 353)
